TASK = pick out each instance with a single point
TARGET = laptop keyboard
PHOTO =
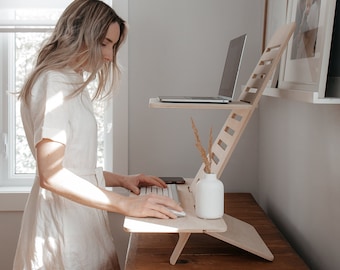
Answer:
(170, 191)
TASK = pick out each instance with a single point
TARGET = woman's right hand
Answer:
(150, 205)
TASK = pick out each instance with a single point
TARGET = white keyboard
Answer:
(170, 191)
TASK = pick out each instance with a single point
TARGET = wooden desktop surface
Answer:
(152, 250)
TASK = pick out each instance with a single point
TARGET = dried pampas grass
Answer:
(207, 158)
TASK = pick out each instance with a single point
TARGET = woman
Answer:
(65, 223)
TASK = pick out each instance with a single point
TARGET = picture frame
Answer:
(305, 62)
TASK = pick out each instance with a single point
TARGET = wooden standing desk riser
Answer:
(152, 251)
(222, 149)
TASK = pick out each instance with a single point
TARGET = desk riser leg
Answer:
(182, 240)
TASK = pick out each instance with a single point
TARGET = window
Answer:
(21, 32)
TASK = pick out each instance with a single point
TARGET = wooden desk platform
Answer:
(152, 250)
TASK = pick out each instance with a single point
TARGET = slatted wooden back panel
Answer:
(237, 120)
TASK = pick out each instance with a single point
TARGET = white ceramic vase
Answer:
(209, 199)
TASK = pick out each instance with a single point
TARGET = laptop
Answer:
(229, 78)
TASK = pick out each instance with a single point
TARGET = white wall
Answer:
(299, 176)
(299, 172)
(9, 233)
(178, 48)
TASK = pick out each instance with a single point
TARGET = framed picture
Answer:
(305, 63)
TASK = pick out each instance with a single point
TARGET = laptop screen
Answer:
(232, 67)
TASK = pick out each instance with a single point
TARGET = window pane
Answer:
(37, 14)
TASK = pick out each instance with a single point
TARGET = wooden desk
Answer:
(152, 251)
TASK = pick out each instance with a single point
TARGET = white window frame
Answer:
(116, 125)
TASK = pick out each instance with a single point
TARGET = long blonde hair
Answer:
(76, 42)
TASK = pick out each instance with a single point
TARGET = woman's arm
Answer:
(54, 177)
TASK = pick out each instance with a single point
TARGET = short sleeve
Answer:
(50, 109)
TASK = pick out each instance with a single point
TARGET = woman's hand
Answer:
(150, 205)
(134, 182)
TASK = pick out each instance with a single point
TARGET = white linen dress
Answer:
(58, 233)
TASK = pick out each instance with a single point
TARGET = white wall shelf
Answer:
(300, 95)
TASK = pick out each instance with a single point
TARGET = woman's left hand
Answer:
(133, 182)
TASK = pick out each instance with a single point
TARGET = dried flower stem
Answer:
(207, 158)
(210, 148)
